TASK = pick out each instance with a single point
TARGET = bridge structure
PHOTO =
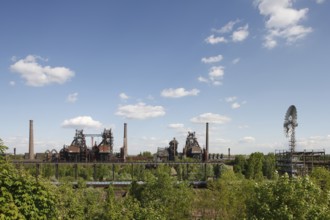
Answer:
(112, 165)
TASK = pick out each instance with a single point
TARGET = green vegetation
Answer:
(251, 189)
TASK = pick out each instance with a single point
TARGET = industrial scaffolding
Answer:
(299, 163)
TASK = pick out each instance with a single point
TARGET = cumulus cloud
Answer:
(226, 28)
(72, 98)
(81, 122)
(176, 126)
(123, 96)
(178, 93)
(235, 105)
(212, 118)
(241, 33)
(231, 99)
(37, 75)
(282, 21)
(248, 139)
(140, 111)
(214, 59)
(202, 79)
(215, 75)
(215, 40)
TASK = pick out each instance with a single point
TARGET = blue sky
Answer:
(165, 68)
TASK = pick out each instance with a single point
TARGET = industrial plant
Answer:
(78, 151)
(288, 161)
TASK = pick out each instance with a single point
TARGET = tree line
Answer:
(251, 190)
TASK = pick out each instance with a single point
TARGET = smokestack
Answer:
(125, 141)
(229, 152)
(207, 142)
(31, 142)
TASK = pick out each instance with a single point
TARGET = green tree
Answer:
(240, 164)
(3, 148)
(24, 197)
(254, 166)
(268, 167)
(229, 194)
(163, 195)
(288, 198)
(321, 176)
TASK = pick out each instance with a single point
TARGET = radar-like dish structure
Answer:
(290, 123)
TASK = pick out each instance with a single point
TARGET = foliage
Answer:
(24, 197)
(240, 164)
(145, 154)
(254, 166)
(229, 195)
(288, 198)
(321, 176)
(164, 196)
(268, 167)
(3, 148)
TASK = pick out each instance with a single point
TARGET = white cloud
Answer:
(72, 98)
(314, 142)
(320, 1)
(215, 75)
(12, 83)
(215, 40)
(214, 59)
(248, 139)
(37, 75)
(235, 61)
(178, 93)
(211, 117)
(202, 79)
(241, 33)
(231, 99)
(176, 126)
(81, 122)
(140, 111)
(216, 72)
(227, 28)
(123, 96)
(282, 21)
(235, 105)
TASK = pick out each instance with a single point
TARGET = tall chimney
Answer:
(31, 142)
(207, 142)
(125, 141)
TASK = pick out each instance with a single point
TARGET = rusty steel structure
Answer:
(192, 148)
(78, 151)
(104, 150)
